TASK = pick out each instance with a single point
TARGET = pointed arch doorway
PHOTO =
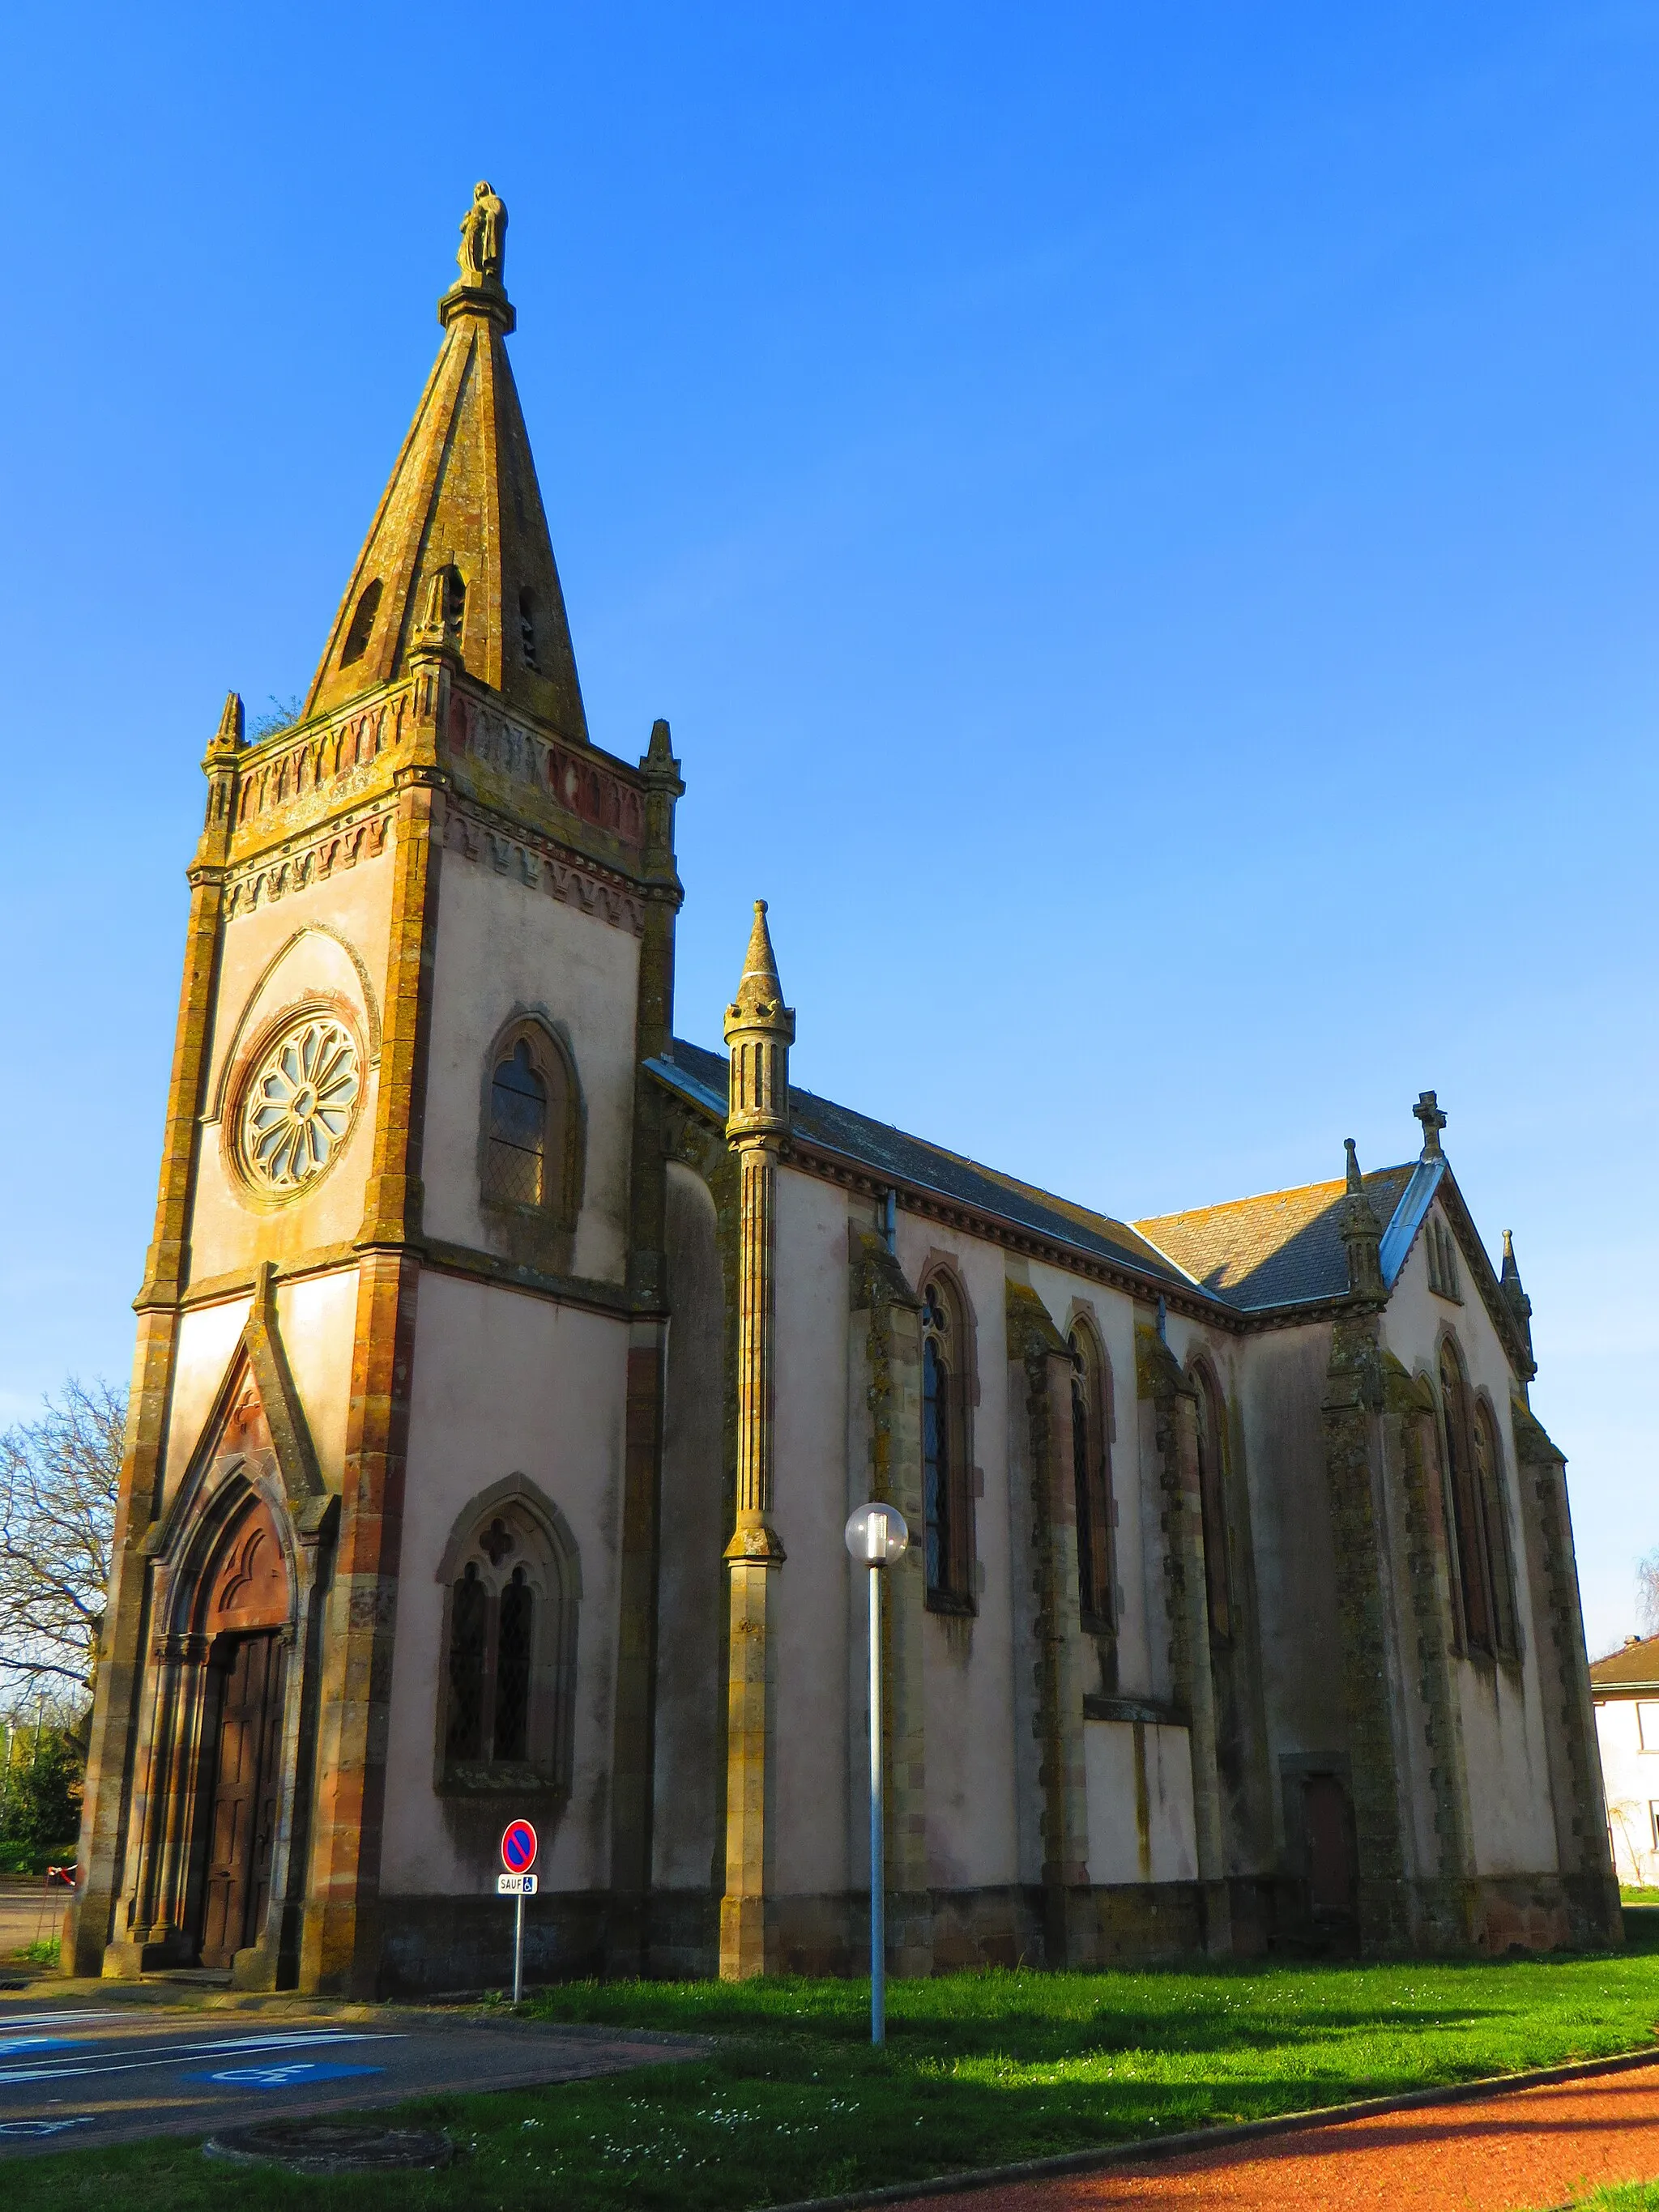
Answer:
(247, 1617)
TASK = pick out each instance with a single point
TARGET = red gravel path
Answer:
(1532, 2148)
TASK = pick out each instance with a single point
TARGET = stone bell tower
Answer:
(400, 1331)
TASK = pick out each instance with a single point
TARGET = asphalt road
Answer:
(92, 2071)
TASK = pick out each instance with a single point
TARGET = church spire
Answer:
(460, 525)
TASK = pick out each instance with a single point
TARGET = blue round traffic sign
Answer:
(519, 1847)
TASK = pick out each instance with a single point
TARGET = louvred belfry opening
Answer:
(463, 504)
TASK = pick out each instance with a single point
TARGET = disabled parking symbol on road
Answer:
(288, 2076)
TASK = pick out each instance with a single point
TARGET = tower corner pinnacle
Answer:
(759, 1030)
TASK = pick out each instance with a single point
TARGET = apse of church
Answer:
(507, 1368)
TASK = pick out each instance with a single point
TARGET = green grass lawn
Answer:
(979, 2068)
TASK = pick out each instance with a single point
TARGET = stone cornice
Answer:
(589, 1292)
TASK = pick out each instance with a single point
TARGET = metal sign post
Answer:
(876, 1535)
(518, 1857)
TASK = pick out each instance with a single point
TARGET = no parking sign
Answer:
(519, 1847)
(518, 1857)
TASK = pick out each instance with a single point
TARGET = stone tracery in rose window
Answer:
(300, 1104)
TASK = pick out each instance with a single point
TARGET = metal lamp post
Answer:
(876, 1535)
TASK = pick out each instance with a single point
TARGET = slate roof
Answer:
(1635, 1668)
(1283, 1248)
(890, 1153)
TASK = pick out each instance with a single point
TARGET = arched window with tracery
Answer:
(946, 1479)
(531, 1156)
(1091, 1467)
(1213, 1499)
(512, 1585)
(1470, 1538)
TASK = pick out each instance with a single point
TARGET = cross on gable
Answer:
(1427, 1110)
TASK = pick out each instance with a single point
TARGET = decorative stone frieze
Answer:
(328, 765)
(272, 877)
(579, 783)
(539, 864)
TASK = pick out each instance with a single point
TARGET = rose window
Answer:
(301, 1103)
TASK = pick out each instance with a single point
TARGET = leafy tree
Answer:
(41, 1791)
(58, 1479)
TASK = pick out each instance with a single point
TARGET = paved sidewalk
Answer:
(1535, 2148)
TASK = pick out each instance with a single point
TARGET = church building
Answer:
(507, 1367)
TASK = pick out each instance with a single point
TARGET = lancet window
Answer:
(1488, 1467)
(1091, 1464)
(1486, 1602)
(1485, 1574)
(946, 1479)
(1441, 1247)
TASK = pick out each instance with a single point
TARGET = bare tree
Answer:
(58, 1481)
(1647, 1594)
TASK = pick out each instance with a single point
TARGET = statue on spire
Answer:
(483, 238)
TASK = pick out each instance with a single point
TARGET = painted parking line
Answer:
(44, 2127)
(11, 2021)
(283, 2077)
(168, 2054)
(11, 2044)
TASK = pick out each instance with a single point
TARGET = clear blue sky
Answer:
(1144, 522)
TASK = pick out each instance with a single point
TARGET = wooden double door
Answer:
(246, 1793)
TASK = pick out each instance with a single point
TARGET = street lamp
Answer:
(876, 1535)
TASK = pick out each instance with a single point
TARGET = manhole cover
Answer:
(331, 2146)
